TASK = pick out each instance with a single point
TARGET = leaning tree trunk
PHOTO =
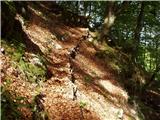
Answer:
(112, 11)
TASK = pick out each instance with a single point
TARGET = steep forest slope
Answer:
(51, 70)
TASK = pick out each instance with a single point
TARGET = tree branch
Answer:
(124, 6)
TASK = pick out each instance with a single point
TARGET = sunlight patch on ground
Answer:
(90, 66)
(107, 85)
(97, 103)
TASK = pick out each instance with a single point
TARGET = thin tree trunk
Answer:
(90, 5)
(138, 29)
(156, 59)
(77, 7)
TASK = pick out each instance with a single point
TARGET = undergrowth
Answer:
(15, 50)
(10, 106)
(29, 71)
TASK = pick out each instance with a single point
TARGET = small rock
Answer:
(2, 50)
(120, 114)
(36, 61)
(57, 46)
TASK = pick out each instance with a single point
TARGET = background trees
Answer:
(131, 26)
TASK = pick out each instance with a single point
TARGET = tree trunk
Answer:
(138, 29)
(90, 5)
(109, 19)
(77, 7)
(111, 13)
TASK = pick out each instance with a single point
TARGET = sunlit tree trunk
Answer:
(112, 11)
(109, 19)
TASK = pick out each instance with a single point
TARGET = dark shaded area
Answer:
(66, 16)
(12, 28)
(10, 108)
(39, 108)
(7, 19)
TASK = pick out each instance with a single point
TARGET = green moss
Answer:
(15, 52)
(31, 72)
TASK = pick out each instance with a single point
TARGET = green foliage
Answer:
(7, 81)
(10, 5)
(82, 104)
(33, 73)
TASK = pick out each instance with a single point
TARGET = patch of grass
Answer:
(108, 53)
(32, 72)
(82, 104)
(114, 66)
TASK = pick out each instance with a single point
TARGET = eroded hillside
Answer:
(55, 73)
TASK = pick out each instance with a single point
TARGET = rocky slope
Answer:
(77, 85)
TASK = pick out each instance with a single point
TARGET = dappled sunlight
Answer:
(109, 20)
(117, 91)
(64, 71)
